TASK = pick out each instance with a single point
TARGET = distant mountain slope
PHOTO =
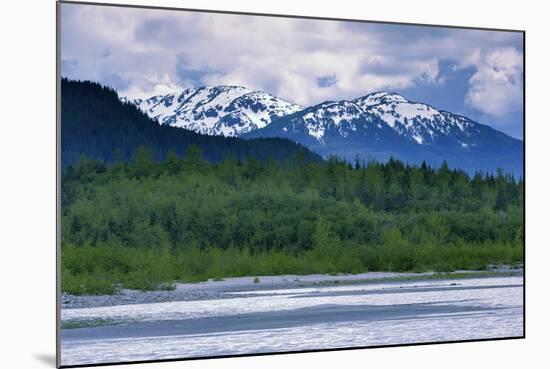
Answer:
(96, 123)
(218, 110)
(381, 125)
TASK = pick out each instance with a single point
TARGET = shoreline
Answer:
(228, 287)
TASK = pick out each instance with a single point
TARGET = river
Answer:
(238, 316)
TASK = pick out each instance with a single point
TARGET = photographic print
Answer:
(239, 184)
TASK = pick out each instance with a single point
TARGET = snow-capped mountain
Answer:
(419, 122)
(376, 126)
(383, 125)
(328, 123)
(218, 110)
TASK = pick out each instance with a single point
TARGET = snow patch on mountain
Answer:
(344, 116)
(379, 98)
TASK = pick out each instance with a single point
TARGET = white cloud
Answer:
(150, 51)
(497, 86)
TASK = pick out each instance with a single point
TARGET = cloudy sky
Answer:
(143, 52)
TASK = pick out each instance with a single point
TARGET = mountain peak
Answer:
(216, 110)
(380, 97)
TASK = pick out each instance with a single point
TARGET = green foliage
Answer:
(144, 224)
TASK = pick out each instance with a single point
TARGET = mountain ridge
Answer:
(223, 110)
(375, 126)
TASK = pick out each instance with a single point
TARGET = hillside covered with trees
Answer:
(146, 223)
(95, 123)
